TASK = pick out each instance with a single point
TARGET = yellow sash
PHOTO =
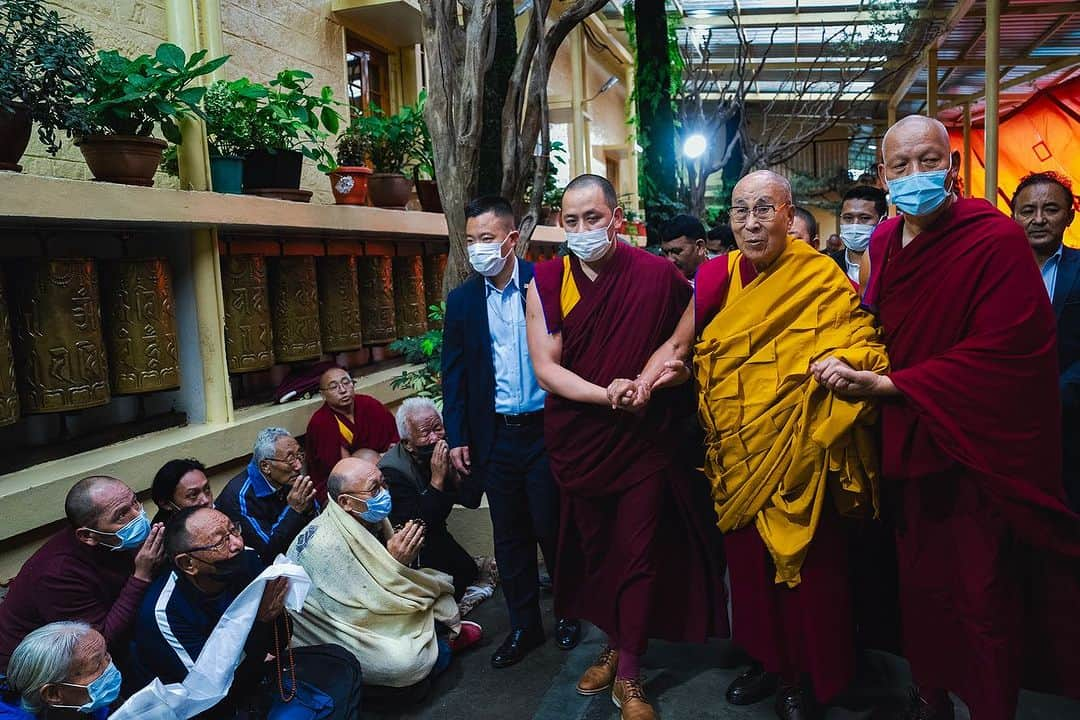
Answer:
(775, 439)
(568, 292)
(346, 433)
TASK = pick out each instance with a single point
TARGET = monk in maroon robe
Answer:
(971, 442)
(638, 554)
(345, 424)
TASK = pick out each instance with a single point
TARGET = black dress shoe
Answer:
(794, 702)
(567, 633)
(752, 686)
(516, 646)
(916, 707)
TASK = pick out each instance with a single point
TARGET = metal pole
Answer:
(993, 78)
(931, 81)
(967, 149)
(578, 161)
(891, 114)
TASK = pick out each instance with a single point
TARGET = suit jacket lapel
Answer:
(1067, 275)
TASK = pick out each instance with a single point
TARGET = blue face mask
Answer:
(378, 506)
(103, 691)
(131, 535)
(921, 193)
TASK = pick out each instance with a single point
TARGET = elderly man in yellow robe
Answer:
(786, 458)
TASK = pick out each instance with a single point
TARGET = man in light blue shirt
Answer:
(493, 410)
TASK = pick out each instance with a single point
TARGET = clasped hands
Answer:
(837, 376)
(633, 395)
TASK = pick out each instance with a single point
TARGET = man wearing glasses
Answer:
(346, 424)
(272, 498)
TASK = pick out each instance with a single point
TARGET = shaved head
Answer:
(353, 476)
(87, 500)
(915, 127)
(915, 145)
(337, 389)
(368, 455)
(761, 178)
(762, 239)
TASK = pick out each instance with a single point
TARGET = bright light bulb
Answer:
(695, 146)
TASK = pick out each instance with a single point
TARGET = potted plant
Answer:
(229, 107)
(127, 99)
(349, 180)
(427, 189)
(389, 143)
(44, 64)
(551, 200)
(288, 125)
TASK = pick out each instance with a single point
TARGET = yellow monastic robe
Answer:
(775, 439)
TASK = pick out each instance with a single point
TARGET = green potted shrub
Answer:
(127, 99)
(229, 107)
(551, 200)
(289, 125)
(389, 142)
(44, 63)
(427, 189)
(349, 180)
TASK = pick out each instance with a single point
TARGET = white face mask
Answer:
(590, 245)
(487, 258)
(856, 237)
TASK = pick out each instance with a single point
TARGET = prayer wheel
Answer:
(339, 303)
(9, 393)
(410, 303)
(376, 299)
(248, 335)
(59, 349)
(434, 272)
(295, 303)
(140, 326)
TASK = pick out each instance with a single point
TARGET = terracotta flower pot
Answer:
(350, 184)
(389, 190)
(124, 159)
(14, 137)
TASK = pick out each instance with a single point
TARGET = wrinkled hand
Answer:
(440, 464)
(302, 495)
(406, 542)
(151, 554)
(459, 456)
(675, 372)
(621, 393)
(273, 599)
(837, 376)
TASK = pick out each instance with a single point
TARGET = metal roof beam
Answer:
(788, 96)
(955, 16)
(1060, 64)
(787, 19)
(1047, 8)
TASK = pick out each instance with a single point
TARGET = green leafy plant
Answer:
(133, 96)
(425, 154)
(552, 196)
(350, 151)
(44, 64)
(424, 350)
(389, 142)
(289, 118)
(229, 107)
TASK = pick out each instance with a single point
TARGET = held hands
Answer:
(302, 495)
(633, 395)
(404, 545)
(837, 376)
(440, 465)
(461, 460)
(273, 599)
(151, 554)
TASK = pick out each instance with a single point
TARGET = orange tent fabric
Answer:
(1042, 134)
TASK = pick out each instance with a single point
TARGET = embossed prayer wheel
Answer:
(248, 335)
(434, 271)
(9, 392)
(140, 325)
(339, 303)
(409, 299)
(294, 300)
(59, 349)
(376, 299)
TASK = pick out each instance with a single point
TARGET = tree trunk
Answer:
(496, 84)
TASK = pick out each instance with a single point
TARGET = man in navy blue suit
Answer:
(494, 410)
(1045, 206)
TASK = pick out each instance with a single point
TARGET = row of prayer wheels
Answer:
(297, 307)
(67, 344)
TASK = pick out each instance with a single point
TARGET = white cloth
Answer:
(209, 681)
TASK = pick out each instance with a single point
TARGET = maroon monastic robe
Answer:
(638, 553)
(971, 460)
(374, 429)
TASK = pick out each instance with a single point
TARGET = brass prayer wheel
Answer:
(339, 303)
(248, 335)
(140, 326)
(295, 303)
(59, 349)
(434, 272)
(409, 299)
(376, 299)
(9, 393)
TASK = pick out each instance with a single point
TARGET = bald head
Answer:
(368, 455)
(916, 128)
(761, 215)
(336, 388)
(777, 184)
(914, 145)
(354, 476)
(86, 501)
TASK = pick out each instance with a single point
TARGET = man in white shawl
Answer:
(364, 594)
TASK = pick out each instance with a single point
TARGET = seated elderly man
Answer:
(210, 568)
(96, 569)
(180, 484)
(365, 596)
(60, 670)
(272, 498)
(424, 486)
(345, 424)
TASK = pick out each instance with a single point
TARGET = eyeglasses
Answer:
(290, 459)
(234, 531)
(336, 386)
(764, 213)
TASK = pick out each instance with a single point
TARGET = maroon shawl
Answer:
(374, 429)
(623, 316)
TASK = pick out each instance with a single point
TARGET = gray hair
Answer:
(43, 657)
(265, 442)
(408, 409)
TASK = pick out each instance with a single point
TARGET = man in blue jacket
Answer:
(494, 409)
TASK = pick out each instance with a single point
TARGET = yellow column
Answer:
(632, 154)
(931, 81)
(578, 129)
(967, 149)
(993, 78)
(410, 73)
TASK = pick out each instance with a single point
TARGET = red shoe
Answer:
(469, 635)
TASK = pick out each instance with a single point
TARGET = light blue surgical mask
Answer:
(487, 257)
(131, 535)
(590, 245)
(103, 691)
(378, 506)
(920, 193)
(855, 236)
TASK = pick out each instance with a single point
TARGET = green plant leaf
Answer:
(330, 119)
(170, 56)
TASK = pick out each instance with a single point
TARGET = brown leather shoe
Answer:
(629, 697)
(599, 676)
